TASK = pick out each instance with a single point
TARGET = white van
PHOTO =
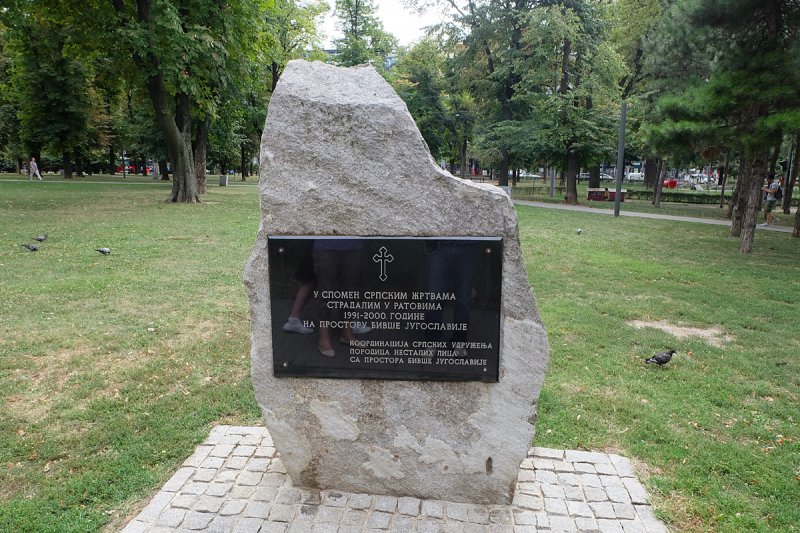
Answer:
(635, 176)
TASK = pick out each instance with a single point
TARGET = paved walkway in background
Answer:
(235, 482)
(601, 211)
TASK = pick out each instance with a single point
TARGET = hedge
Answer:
(667, 195)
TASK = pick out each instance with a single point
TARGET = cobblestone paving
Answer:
(235, 482)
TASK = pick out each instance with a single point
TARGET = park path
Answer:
(658, 216)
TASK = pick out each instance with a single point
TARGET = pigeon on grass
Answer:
(30, 247)
(40, 238)
(104, 250)
(661, 358)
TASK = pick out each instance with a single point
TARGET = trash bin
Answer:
(223, 181)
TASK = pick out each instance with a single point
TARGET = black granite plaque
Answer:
(386, 307)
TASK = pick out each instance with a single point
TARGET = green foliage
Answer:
(418, 76)
(10, 145)
(580, 117)
(729, 72)
(364, 39)
(51, 88)
(291, 29)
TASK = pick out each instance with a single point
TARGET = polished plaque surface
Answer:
(386, 307)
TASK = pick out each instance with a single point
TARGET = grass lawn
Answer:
(717, 429)
(113, 368)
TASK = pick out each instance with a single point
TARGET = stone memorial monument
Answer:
(415, 353)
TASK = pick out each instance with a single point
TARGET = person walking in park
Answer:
(771, 189)
(33, 170)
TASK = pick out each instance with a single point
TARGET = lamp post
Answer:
(620, 156)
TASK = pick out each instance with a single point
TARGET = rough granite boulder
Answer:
(341, 155)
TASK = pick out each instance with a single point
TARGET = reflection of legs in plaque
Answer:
(336, 265)
(452, 267)
(304, 274)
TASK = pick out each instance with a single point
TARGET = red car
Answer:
(670, 183)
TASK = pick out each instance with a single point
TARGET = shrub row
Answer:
(667, 195)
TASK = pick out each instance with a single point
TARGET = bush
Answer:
(667, 195)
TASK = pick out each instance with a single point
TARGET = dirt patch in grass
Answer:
(683, 517)
(191, 332)
(45, 380)
(713, 335)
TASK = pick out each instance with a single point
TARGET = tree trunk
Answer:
(502, 169)
(276, 73)
(594, 176)
(796, 232)
(751, 191)
(177, 133)
(175, 128)
(773, 161)
(736, 190)
(200, 146)
(112, 159)
(788, 188)
(79, 164)
(573, 168)
(723, 180)
(464, 158)
(243, 161)
(743, 197)
(651, 172)
(163, 170)
(66, 160)
(659, 184)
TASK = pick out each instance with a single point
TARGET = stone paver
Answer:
(235, 481)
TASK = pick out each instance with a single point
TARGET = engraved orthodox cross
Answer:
(383, 257)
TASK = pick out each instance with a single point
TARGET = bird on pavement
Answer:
(104, 250)
(40, 238)
(661, 358)
(30, 247)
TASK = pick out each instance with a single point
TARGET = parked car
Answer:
(525, 175)
(670, 183)
(635, 176)
(607, 177)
